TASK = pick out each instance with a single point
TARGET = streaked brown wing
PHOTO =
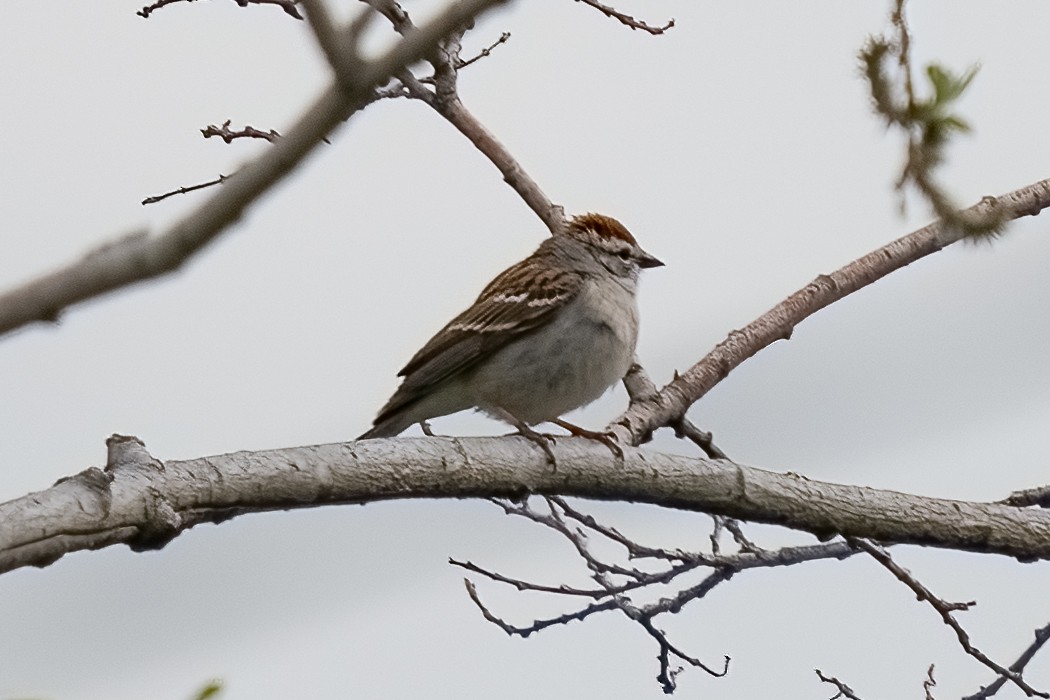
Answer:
(519, 300)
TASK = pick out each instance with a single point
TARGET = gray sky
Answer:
(738, 148)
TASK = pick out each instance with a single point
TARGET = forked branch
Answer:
(945, 609)
(141, 257)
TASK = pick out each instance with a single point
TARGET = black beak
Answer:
(646, 260)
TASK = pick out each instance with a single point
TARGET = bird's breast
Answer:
(568, 362)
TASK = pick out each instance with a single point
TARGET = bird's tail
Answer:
(388, 427)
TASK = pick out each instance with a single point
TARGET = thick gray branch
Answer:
(139, 501)
(140, 257)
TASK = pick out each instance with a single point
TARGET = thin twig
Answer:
(627, 20)
(287, 5)
(929, 684)
(1042, 635)
(945, 610)
(718, 525)
(612, 595)
(634, 550)
(146, 11)
(684, 428)
(248, 132)
(538, 624)
(521, 585)
(485, 52)
(667, 676)
(742, 541)
(844, 691)
(579, 540)
(153, 199)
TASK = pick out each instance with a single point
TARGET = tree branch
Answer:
(444, 99)
(287, 5)
(844, 691)
(185, 189)
(140, 257)
(1042, 635)
(945, 610)
(144, 503)
(626, 19)
(669, 405)
(228, 135)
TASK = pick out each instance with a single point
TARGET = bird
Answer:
(548, 335)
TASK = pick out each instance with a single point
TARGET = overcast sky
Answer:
(739, 148)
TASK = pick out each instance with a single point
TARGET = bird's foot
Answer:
(607, 439)
(542, 439)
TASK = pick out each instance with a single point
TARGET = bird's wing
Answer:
(521, 299)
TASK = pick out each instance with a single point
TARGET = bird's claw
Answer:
(606, 438)
(543, 440)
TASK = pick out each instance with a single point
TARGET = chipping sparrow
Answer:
(548, 335)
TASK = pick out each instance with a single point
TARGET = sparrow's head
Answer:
(613, 245)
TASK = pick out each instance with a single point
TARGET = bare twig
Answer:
(538, 624)
(522, 585)
(1042, 635)
(485, 52)
(929, 684)
(718, 526)
(248, 132)
(153, 199)
(287, 5)
(627, 20)
(742, 541)
(634, 550)
(149, 9)
(684, 428)
(684, 562)
(226, 134)
(679, 563)
(844, 691)
(945, 610)
(667, 677)
(579, 540)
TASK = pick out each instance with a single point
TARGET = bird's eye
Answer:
(624, 254)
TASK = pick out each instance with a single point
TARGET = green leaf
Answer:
(210, 690)
(953, 123)
(947, 86)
